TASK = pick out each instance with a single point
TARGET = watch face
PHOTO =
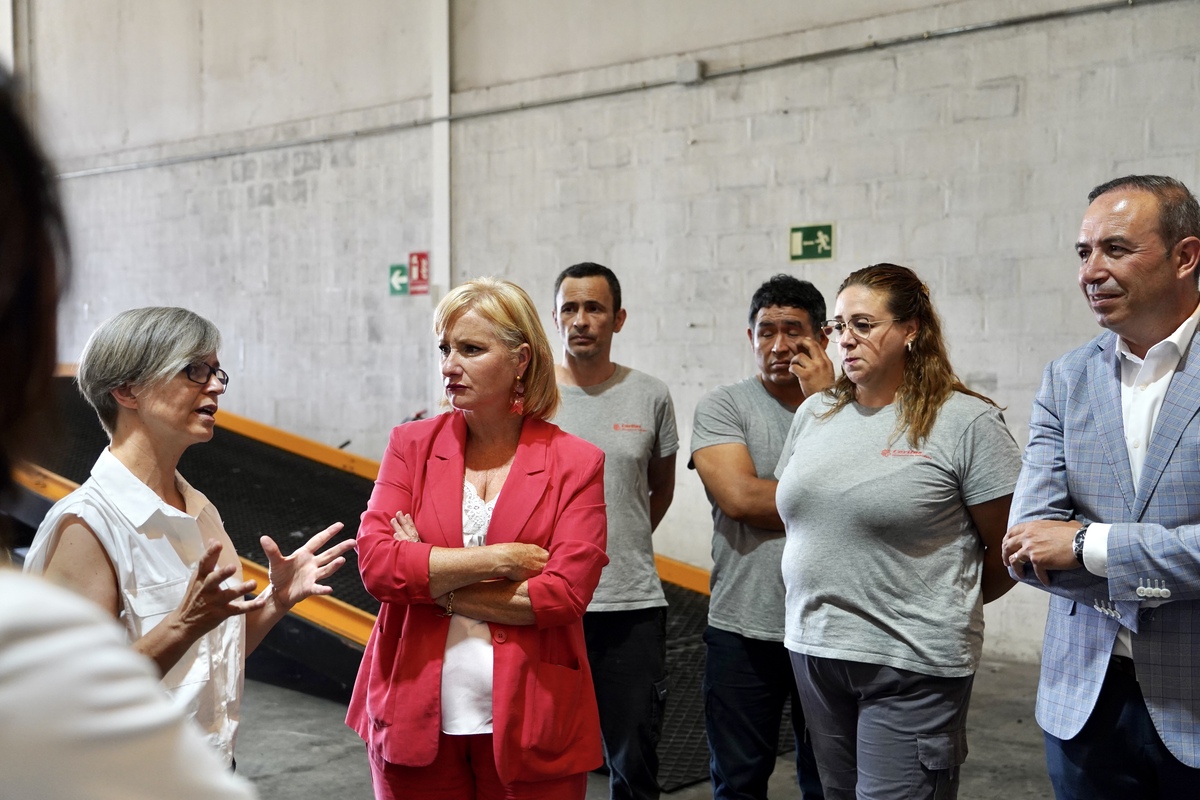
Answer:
(1080, 535)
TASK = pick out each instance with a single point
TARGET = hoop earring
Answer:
(518, 398)
(908, 345)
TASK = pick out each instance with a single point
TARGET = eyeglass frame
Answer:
(222, 375)
(834, 329)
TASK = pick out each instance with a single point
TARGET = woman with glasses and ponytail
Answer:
(894, 488)
(140, 542)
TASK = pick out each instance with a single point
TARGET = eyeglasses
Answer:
(861, 328)
(202, 373)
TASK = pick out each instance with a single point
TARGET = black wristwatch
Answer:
(1078, 545)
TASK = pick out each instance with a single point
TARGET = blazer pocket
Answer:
(1062, 605)
(553, 711)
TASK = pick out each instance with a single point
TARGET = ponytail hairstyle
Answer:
(929, 380)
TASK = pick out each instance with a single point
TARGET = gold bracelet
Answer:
(449, 612)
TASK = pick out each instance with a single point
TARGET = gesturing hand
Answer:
(299, 575)
(812, 366)
(205, 603)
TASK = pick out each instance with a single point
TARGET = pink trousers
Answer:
(465, 769)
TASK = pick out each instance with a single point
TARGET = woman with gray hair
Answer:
(138, 540)
(83, 718)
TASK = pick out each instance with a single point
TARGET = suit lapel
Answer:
(444, 479)
(1104, 390)
(1179, 407)
(525, 485)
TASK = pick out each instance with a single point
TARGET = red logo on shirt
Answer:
(887, 452)
(628, 426)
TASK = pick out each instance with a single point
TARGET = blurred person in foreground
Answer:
(83, 716)
(149, 549)
(484, 540)
(894, 488)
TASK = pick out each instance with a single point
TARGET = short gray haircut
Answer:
(141, 347)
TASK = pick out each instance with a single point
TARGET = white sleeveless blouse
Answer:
(154, 549)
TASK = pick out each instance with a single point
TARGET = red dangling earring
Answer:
(518, 398)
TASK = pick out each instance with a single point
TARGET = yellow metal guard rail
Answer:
(330, 613)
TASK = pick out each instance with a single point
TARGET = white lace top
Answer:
(467, 665)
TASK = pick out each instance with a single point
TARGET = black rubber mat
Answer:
(257, 488)
(683, 748)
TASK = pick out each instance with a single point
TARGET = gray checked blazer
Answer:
(1076, 466)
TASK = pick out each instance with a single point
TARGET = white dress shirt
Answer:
(1144, 383)
(154, 549)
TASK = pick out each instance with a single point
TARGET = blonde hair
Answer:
(515, 322)
(929, 380)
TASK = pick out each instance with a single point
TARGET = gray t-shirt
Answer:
(631, 418)
(746, 584)
(883, 563)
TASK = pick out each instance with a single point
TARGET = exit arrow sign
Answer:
(398, 279)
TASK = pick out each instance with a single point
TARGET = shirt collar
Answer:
(135, 499)
(1179, 340)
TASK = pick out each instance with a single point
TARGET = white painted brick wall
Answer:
(967, 158)
(287, 252)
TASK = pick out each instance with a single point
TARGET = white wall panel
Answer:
(115, 75)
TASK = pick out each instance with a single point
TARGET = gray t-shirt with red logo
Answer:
(747, 589)
(882, 563)
(631, 418)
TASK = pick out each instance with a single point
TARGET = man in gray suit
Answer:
(1106, 515)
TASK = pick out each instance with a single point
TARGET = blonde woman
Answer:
(483, 540)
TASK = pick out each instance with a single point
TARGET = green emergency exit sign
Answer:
(398, 279)
(812, 242)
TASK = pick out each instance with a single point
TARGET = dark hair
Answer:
(786, 290)
(1178, 211)
(588, 269)
(929, 380)
(33, 265)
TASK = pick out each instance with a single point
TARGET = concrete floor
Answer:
(295, 746)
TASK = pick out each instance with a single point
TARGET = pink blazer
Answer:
(543, 705)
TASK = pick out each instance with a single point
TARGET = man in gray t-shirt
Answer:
(628, 415)
(737, 437)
